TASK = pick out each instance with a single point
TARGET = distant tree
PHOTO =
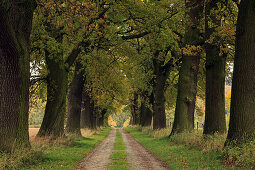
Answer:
(75, 100)
(134, 109)
(87, 110)
(145, 109)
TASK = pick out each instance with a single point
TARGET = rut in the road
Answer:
(100, 158)
(138, 157)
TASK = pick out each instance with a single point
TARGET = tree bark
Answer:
(134, 109)
(242, 115)
(145, 112)
(74, 100)
(161, 72)
(57, 80)
(142, 111)
(187, 84)
(57, 85)
(215, 121)
(94, 115)
(149, 116)
(86, 111)
(102, 118)
(186, 95)
(15, 24)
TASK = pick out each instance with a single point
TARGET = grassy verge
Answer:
(63, 153)
(179, 156)
(119, 157)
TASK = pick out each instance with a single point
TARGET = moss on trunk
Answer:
(242, 110)
(159, 115)
(57, 82)
(215, 121)
(15, 25)
(187, 84)
(87, 111)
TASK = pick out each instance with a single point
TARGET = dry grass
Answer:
(85, 132)
(194, 139)
(88, 132)
(43, 143)
(33, 132)
(155, 133)
(199, 141)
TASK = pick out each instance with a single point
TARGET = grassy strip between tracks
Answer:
(119, 156)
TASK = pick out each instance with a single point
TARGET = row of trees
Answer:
(109, 54)
(187, 34)
(49, 37)
(205, 31)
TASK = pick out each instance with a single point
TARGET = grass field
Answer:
(63, 153)
(179, 156)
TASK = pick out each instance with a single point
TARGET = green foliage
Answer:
(36, 112)
(120, 118)
(241, 156)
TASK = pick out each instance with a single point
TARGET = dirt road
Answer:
(138, 157)
(100, 158)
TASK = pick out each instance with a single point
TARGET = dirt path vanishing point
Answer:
(100, 157)
(138, 157)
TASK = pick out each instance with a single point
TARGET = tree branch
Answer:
(72, 56)
(128, 37)
(33, 81)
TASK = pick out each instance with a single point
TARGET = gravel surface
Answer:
(138, 157)
(100, 157)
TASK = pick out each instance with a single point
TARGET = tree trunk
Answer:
(187, 85)
(145, 113)
(242, 115)
(57, 80)
(159, 86)
(134, 109)
(74, 100)
(57, 85)
(102, 118)
(148, 119)
(86, 111)
(142, 111)
(215, 121)
(94, 115)
(186, 95)
(15, 24)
